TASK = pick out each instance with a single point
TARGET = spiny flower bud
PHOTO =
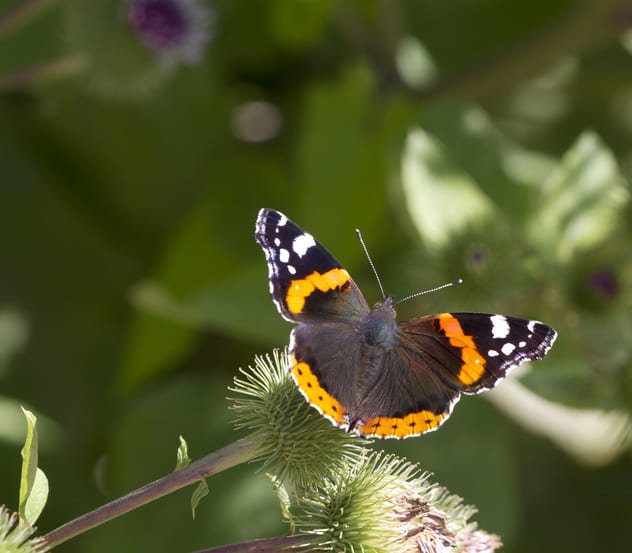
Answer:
(15, 535)
(385, 504)
(297, 443)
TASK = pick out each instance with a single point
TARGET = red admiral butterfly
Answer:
(362, 369)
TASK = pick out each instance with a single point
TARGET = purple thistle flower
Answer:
(178, 30)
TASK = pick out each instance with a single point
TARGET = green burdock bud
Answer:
(15, 535)
(297, 444)
(385, 504)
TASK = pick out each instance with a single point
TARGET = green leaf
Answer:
(504, 170)
(236, 306)
(160, 335)
(415, 63)
(33, 482)
(347, 167)
(299, 23)
(441, 198)
(240, 306)
(200, 492)
(284, 498)
(183, 458)
(154, 345)
(581, 200)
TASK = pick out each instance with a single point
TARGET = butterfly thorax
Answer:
(379, 328)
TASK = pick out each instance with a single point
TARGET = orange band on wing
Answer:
(300, 289)
(413, 424)
(473, 367)
(309, 386)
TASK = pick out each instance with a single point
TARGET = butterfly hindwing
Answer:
(403, 396)
(324, 360)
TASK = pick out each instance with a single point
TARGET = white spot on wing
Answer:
(302, 243)
(284, 255)
(500, 326)
(291, 269)
(508, 348)
(492, 353)
(291, 345)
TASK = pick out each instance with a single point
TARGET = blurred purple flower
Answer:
(477, 258)
(605, 283)
(178, 30)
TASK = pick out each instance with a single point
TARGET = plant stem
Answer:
(22, 14)
(23, 78)
(229, 456)
(267, 545)
(586, 26)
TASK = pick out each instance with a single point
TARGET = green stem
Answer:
(24, 78)
(227, 457)
(588, 26)
(267, 545)
(19, 16)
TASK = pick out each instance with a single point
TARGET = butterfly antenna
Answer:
(366, 252)
(446, 285)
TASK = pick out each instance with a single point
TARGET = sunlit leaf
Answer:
(441, 199)
(33, 482)
(183, 458)
(199, 493)
(415, 62)
(581, 200)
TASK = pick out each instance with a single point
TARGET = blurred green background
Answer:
(483, 140)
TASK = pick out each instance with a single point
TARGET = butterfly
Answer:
(365, 371)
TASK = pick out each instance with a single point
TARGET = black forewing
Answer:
(277, 235)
